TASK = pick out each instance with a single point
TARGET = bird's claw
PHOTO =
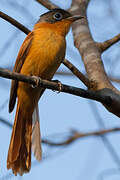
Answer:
(37, 82)
(59, 85)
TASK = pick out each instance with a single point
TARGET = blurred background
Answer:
(61, 114)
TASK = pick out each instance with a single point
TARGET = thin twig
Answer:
(105, 45)
(117, 79)
(64, 73)
(46, 3)
(14, 22)
(3, 121)
(2, 106)
(75, 136)
(76, 72)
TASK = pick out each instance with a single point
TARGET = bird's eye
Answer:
(57, 16)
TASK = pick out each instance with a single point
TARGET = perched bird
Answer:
(41, 54)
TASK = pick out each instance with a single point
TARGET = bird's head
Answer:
(58, 19)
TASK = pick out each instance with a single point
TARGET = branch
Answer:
(46, 3)
(104, 96)
(91, 54)
(105, 45)
(14, 22)
(37, 81)
(76, 135)
(77, 73)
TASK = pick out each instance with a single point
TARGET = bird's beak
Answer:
(75, 18)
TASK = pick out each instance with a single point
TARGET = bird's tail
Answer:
(19, 154)
(36, 137)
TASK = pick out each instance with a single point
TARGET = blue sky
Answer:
(87, 158)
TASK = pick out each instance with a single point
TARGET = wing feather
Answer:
(17, 68)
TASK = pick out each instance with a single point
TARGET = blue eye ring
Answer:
(57, 16)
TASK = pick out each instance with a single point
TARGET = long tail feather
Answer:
(19, 154)
(36, 137)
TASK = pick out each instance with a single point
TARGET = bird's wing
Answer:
(18, 65)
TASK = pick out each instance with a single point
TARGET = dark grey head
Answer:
(54, 15)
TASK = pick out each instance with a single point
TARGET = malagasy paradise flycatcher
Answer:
(41, 54)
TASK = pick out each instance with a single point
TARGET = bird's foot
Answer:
(59, 85)
(37, 80)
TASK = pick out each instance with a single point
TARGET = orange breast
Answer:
(46, 54)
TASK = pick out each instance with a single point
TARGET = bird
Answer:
(41, 54)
